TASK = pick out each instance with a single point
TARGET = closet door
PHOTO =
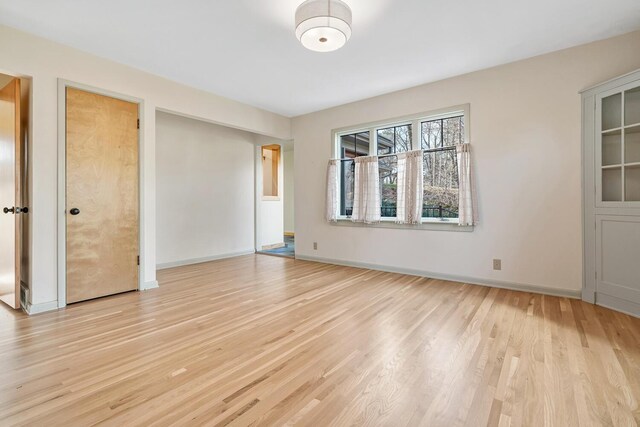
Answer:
(102, 195)
(10, 194)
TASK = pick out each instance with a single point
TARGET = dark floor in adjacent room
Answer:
(287, 250)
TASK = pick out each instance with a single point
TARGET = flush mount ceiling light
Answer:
(323, 25)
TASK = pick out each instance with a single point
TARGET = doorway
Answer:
(12, 187)
(274, 213)
(101, 200)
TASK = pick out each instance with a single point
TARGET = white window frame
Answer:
(415, 120)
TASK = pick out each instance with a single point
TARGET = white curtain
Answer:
(366, 197)
(332, 190)
(467, 204)
(410, 188)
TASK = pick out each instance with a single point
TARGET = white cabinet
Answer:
(611, 183)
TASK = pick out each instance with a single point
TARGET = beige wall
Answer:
(289, 197)
(47, 61)
(204, 191)
(525, 126)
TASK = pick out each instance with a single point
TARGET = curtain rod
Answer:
(431, 150)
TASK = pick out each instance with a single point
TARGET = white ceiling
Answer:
(246, 49)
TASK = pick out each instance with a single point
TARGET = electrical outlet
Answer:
(315, 246)
(497, 264)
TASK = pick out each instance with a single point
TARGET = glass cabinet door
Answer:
(619, 146)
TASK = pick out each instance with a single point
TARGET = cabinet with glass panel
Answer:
(611, 193)
(618, 135)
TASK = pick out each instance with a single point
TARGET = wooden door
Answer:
(102, 195)
(10, 193)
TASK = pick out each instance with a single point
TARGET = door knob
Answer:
(74, 211)
(7, 210)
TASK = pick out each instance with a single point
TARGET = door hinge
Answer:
(138, 259)
(138, 123)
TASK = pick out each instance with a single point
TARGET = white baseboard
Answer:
(41, 308)
(568, 293)
(31, 309)
(180, 263)
(626, 307)
(149, 285)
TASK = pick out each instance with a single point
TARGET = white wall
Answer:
(204, 190)
(46, 61)
(525, 130)
(289, 195)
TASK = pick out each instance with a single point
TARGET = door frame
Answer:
(62, 181)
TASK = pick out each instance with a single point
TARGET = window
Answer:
(390, 141)
(351, 146)
(270, 166)
(395, 139)
(354, 145)
(436, 135)
(440, 168)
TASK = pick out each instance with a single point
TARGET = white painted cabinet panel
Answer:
(618, 256)
(611, 197)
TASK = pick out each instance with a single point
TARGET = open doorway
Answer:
(274, 216)
(14, 233)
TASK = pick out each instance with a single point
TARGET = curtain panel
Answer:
(333, 191)
(467, 202)
(410, 188)
(366, 197)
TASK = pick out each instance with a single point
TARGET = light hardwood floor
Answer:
(260, 340)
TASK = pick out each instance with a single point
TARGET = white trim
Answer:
(149, 285)
(61, 226)
(588, 198)
(567, 293)
(257, 195)
(387, 222)
(191, 261)
(32, 309)
(617, 304)
(614, 82)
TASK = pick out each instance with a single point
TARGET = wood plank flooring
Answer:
(260, 340)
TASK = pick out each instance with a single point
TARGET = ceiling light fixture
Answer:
(323, 25)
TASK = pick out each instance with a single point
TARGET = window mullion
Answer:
(415, 135)
(373, 142)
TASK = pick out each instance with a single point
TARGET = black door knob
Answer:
(74, 211)
(7, 210)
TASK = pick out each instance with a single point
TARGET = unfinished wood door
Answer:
(102, 195)
(10, 193)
